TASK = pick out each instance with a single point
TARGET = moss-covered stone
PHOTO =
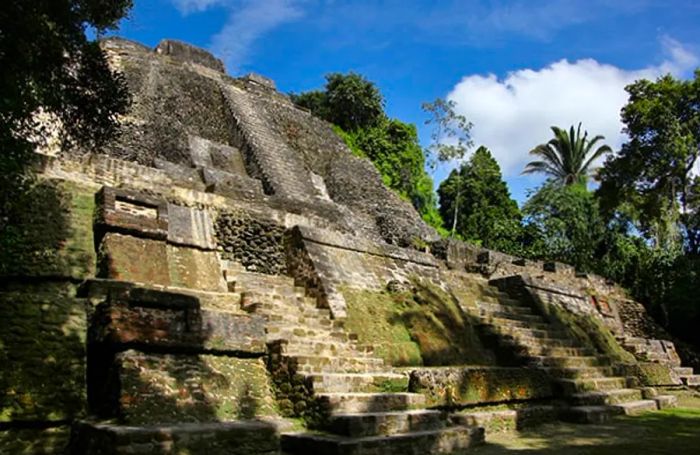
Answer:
(459, 386)
(195, 269)
(422, 326)
(42, 353)
(50, 441)
(191, 388)
(53, 235)
(647, 373)
(128, 258)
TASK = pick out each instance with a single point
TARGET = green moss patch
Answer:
(53, 234)
(647, 373)
(191, 388)
(123, 257)
(460, 386)
(42, 353)
(50, 441)
(423, 326)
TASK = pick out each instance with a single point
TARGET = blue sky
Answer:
(513, 67)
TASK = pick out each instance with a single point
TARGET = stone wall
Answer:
(325, 261)
(255, 243)
(461, 386)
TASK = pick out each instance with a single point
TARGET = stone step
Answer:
(326, 348)
(545, 334)
(588, 414)
(558, 351)
(452, 440)
(571, 386)
(514, 323)
(692, 380)
(344, 403)
(385, 423)
(665, 401)
(511, 316)
(633, 408)
(357, 382)
(605, 397)
(323, 364)
(503, 420)
(578, 372)
(535, 342)
(507, 309)
(234, 438)
(568, 361)
(683, 371)
(285, 332)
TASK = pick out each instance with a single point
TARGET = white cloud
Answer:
(193, 6)
(513, 115)
(247, 21)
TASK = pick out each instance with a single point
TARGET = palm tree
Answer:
(567, 158)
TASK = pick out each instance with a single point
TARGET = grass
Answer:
(672, 431)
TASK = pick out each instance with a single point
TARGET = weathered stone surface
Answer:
(131, 212)
(167, 320)
(42, 353)
(32, 441)
(171, 388)
(195, 269)
(255, 243)
(52, 236)
(648, 374)
(188, 53)
(454, 386)
(220, 438)
(190, 227)
(128, 258)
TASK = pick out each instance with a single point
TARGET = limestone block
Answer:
(42, 353)
(120, 210)
(189, 53)
(231, 185)
(199, 152)
(183, 176)
(128, 258)
(219, 438)
(191, 227)
(170, 388)
(450, 386)
(260, 80)
(175, 321)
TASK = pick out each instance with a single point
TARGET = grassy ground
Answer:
(673, 431)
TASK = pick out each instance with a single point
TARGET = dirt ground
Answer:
(674, 431)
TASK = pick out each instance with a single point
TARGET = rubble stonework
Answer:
(194, 282)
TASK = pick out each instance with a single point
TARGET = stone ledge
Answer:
(217, 438)
(188, 53)
(127, 316)
(352, 243)
(131, 212)
(459, 386)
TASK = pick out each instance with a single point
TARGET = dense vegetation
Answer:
(51, 74)
(356, 107)
(640, 227)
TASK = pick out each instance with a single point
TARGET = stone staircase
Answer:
(582, 377)
(365, 406)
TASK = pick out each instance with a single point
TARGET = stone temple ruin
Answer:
(227, 278)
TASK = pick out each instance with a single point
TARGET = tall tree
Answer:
(356, 107)
(348, 100)
(567, 158)
(50, 69)
(450, 141)
(488, 215)
(568, 221)
(653, 173)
